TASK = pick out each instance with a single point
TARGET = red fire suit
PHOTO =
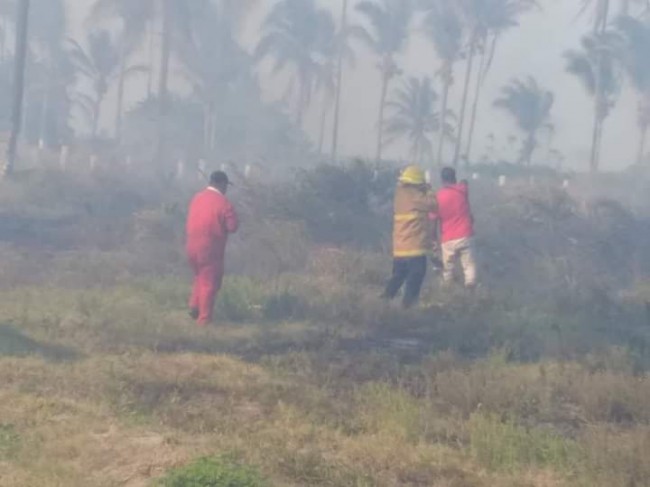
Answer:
(210, 220)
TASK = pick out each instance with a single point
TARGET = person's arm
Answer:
(465, 183)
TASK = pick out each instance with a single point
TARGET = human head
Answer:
(219, 180)
(448, 175)
(413, 175)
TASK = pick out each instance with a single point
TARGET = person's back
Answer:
(211, 218)
(411, 224)
(413, 203)
(454, 212)
(456, 227)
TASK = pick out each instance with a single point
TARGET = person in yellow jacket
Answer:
(414, 201)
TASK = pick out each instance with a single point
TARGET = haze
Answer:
(535, 48)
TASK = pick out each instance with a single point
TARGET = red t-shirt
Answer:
(454, 213)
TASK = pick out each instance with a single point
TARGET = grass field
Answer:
(113, 385)
(540, 379)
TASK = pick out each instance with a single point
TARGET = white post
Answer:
(93, 162)
(427, 176)
(247, 171)
(502, 181)
(63, 157)
(180, 169)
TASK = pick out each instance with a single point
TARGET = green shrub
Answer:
(240, 299)
(213, 472)
(283, 306)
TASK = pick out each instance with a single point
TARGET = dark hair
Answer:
(448, 175)
(219, 178)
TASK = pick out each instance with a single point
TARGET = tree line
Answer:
(199, 42)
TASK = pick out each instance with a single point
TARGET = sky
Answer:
(536, 48)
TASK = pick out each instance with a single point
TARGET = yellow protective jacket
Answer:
(412, 231)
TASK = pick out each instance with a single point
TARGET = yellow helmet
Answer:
(412, 175)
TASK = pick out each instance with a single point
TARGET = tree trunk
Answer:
(339, 82)
(323, 123)
(213, 133)
(163, 86)
(120, 90)
(3, 40)
(380, 120)
(593, 159)
(151, 60)
(45, 109)
(625, 7)
(97, 109)
(163, 82)
(468, 76)
(600, 27)
(531, 144)
(642, 140)
(447, 74)
(302, 97)
(22, 28)
(477, 96)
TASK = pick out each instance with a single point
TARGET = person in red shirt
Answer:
(456, 227)
(211, 219)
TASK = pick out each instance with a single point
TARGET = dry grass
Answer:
(309, 377)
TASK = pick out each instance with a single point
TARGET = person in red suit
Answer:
(211, 219)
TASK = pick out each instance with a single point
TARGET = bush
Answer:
(213, 472)
(337, 205)
(283, 306)
(240, 299)
(504, 445)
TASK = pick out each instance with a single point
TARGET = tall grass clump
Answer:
(213, 472)
(504, 445)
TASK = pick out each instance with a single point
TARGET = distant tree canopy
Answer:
(200, 93)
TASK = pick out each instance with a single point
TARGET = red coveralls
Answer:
(210, 220)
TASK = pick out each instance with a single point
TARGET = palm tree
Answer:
(100, 63)
(413, 117)
(7, 15)
(627, 7)
(213, 64)
(298, 35)
(482, 18)
(134, 17)
(19, 83)
(530, 105)
(497, 16)
(343, 32)
(600, 12)
(389, 22)
(636, 34)
(236, 12)
(48, 28)
(597, 66)
(444, 30)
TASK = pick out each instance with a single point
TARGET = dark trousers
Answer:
(411, 271)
